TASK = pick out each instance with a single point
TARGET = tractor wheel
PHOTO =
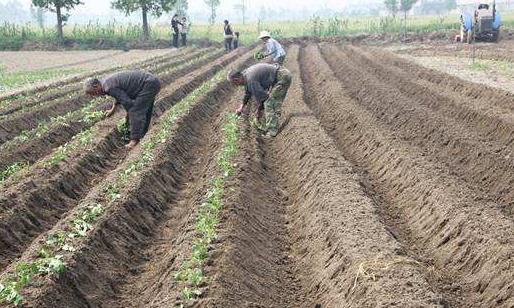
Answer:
(470, 36)
(496, 36)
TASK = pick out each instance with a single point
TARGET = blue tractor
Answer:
(483, 25)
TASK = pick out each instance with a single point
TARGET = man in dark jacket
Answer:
(268, 85)
(136, 92)
(175, 23)
(228, 34)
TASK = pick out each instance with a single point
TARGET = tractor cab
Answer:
(483, 25)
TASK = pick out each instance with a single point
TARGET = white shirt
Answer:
(275, 49)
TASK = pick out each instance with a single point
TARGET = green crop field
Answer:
(13, 37)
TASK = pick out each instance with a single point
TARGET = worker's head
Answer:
(226, 22)
(184, 18)
(264, 36)
(236, 77)
(93, 87)
(175, 16)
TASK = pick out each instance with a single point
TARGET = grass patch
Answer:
(13, 80)
(479, 66)
(500, 66)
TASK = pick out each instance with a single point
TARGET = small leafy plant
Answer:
(191, 272)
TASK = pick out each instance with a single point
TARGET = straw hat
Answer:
(264, 34)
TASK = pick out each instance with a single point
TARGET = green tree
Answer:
(181, 7)
(58, 6)
(241, 6)
(213, 5)
(405, 7)
(392, 6)
(451, 4)
(153, 7)
(38, 14)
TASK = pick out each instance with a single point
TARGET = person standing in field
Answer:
(274, 50)
(236, 40)
(136, 92)
(184, 29)
(228, 35)
(175, 23)
(268, 85)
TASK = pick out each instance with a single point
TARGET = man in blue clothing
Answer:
(273, 48)
(135, 91)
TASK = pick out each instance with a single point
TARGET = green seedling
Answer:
(49, 263)
(12, 170)
(191, 271)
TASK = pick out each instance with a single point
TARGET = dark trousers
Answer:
(140, 114)
(228, 43)
(183, 36)
(175, 40)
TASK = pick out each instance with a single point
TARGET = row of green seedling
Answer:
(154, 67)
(18, 169)
(79, 142)
(58, 85)
(64, 120)
(86, 113)
(73, 84)
(50, 257)
(191, 274)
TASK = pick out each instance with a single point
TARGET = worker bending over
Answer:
(268, 85)
(273, 48)
(136, 92)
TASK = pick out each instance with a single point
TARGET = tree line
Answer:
(155, 8)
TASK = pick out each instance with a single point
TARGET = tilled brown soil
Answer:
(40, 146)
(462, 235)
(35, 203)
(483, 50)
(388, 186)
(151, 199)
(302, 231)
(13, 124)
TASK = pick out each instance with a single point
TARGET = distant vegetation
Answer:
(116, 35)
(32, 30)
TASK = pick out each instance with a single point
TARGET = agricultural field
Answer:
(388, 185)
(30, 68)
(492, 64)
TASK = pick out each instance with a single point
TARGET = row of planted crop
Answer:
(87, 114)
(51, 255)
(72, 82)
(191, 276)
(156, 67)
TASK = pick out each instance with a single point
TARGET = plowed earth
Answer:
(388, 186)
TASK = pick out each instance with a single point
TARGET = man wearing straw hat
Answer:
(273, 48)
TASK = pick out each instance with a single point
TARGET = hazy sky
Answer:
(103, 6)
